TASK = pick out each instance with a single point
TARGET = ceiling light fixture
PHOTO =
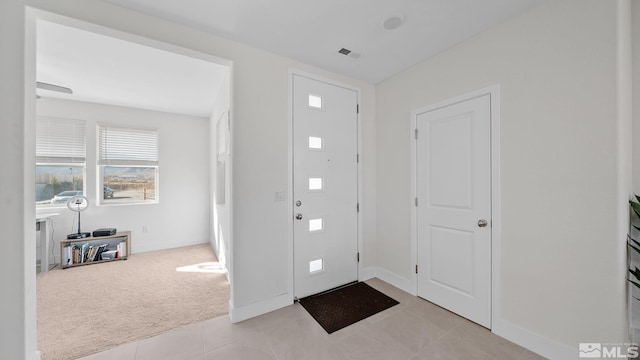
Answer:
(393, 21)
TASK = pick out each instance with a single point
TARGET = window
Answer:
(315, 225)
(315, 183)
(315, 101)
(128, 165)
(315, 143)
(316, 265)
(60, 160)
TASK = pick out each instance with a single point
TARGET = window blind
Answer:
(124, 146)
(60, 140)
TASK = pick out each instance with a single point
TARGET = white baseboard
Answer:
(226, 273)
(396, 280)
(534, 342)
(368, 273)
(36, 356)
(259, 308)
(539, 344)
(275, 303)
(147, 247)
(216, 251)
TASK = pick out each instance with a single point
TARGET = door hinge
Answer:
(416, 268)
(357, 108)
(357, 158)
(358, 207)
(416, 201)
(358, 257)
(415, 133)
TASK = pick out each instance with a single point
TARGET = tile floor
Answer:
(413, 330)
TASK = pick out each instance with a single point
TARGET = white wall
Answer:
(259, 135)
(17, 274)
(562, 277)
(635, 8)
(181, 217)
(635, 12)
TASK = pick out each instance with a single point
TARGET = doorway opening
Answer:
(119, 80)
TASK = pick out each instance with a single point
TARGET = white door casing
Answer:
(325, 185)
(453, 188)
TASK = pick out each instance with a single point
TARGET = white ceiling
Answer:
(106, 70)
(313, 31)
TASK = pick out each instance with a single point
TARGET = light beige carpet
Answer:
(88, 309)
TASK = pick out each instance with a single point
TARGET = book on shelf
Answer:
(84, 250)
(68, 256)
(99, 250)
(108, 255)
(90, 252)
(75, 253)
(122, 249)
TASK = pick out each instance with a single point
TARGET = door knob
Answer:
(299, 216)
(482, 223)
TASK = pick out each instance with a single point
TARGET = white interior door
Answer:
(453, 169)
(325, 186)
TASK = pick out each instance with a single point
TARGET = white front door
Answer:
(325, 186)
(453, 169)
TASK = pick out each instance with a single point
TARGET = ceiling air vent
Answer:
(349, 53)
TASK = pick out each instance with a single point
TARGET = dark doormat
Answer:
(341, 307)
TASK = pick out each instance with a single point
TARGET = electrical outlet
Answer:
(145, 228)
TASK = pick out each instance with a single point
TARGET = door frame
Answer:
(496, 224)
(289, 197)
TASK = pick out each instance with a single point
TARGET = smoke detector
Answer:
(393, 21)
